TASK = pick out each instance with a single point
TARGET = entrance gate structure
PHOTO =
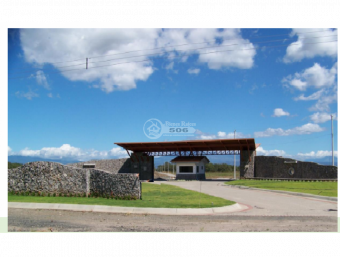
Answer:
(143, 153)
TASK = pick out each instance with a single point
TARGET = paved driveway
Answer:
(263, 202)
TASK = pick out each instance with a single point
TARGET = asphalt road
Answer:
(26, 220)
(268, 212)
(263, 202)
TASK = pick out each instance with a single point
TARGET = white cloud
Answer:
(322, 117)
(301, 85)
(314, 96)
(305, 129)
(50, 95)
(28, 95)
(315, 76)
(42, 46)
(68, 151)
(41, 79)
(303, 48)
(318, 154)
(194, 71)
(327, 98)
(253, 88)
(278, 112)
(9, 150)
(170, 66)
(219, 135)
(261, 151)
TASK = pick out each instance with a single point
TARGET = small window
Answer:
(197, 169)
(186, 169)
(202, 167)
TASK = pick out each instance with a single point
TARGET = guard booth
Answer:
(190, 167)
(143, 153)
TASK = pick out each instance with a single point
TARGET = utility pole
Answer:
(168, 168)
(234, 158)
(332, 142)
(173, 167)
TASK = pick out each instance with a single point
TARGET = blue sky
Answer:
(277, 85)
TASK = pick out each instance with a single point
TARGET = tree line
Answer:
(210, 167)
(12, 165)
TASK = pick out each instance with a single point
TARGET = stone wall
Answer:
(247, 168)
(51, 177)
(114, 184)
(278, 167)
(113, 166)
(137, 164)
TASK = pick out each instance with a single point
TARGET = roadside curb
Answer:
(131, 210)
(329, 198)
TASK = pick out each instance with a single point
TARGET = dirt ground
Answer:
(25, 220)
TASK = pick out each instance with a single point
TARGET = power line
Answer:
(217, 46)
(33, 76)
(82, 59)
(297, 140)
(287, 124)
(183, 50)
(174, 57)
(205, 43)
(43, 69)
(229, 50)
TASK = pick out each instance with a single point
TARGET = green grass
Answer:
(153, 195)
(316, 188)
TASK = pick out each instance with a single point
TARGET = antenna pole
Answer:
(234, 158)
(332, 142)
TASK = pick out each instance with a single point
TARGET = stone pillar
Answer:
(247, 168)
(87, 182)
(143, 165)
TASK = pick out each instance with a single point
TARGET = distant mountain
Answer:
(324, 161)
(25, 159)
(228, 159)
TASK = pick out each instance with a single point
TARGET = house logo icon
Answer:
(153, 128)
